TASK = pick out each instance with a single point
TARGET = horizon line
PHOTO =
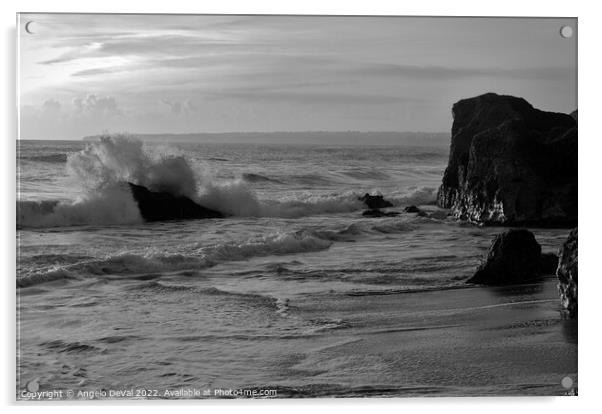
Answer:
(142, 134)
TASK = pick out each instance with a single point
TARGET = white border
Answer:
(590, 152)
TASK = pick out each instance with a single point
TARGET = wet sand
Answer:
(468, 341)
(465, 342)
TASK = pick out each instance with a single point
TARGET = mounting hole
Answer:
(29, 27)
(566, 32)
(567, 382)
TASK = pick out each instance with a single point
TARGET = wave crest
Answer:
(112, 205)
(415, 196)
(123, 158)
(201, 258)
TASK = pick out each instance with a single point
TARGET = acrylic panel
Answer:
(250, 206)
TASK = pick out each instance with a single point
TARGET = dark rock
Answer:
(157, 206)
(379, 213)
(412, 209)
(512, 258)
(511, 164)
(375, 201)
(548, 262)
(567, 274)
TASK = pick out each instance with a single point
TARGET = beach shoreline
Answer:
(474, 341)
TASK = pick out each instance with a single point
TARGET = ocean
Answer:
(280, 298)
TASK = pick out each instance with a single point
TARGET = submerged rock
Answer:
(511, 164)
(412, 209)
(513, 257)
(375, 201)
(158, 206)
(567, 274)
(379, 213)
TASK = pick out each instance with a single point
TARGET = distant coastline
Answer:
(304, 137)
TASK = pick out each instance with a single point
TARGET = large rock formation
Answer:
(511, 164)
(157, 206)
(567, 274)
(514, 257)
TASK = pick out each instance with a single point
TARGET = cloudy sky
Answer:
(86, 74)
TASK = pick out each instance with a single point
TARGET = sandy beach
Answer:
(468, 341)
(472, 341)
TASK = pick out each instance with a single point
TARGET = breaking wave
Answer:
(121, 158)
(202, 257)
(102, 168)
(416, 196)
(151, 263)
(237, 199)
(113, 205)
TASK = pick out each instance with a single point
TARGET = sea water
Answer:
(108, 302)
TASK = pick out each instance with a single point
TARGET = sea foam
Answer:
(101, 170)
(112, 205)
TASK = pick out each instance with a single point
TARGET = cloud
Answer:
(97, 105)
(83, 115)
(96, 71)
(147, 46)
(180, 107)
(278, 72)
(51, 106)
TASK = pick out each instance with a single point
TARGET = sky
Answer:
(83, 74)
